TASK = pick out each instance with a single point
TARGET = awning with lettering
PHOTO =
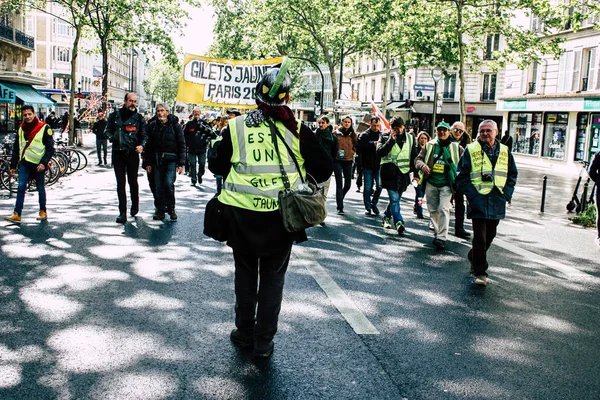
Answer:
(10, 91)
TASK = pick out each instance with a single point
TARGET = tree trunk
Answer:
(461, 62)
(384, 89)
(74, 54)
(104, 48)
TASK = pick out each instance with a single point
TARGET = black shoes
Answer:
(263, 350)
(375, 210)
(173, 215)
(158, 216)
(461, 233)
(122, 218)
(134, 210)
(199, 180)
(439, 244)
(244, 340)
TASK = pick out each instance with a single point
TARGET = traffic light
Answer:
(317, 98)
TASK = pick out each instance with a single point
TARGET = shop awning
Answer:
(26, 93)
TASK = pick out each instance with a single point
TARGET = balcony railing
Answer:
(490, 96)
(448, 95)
(19, 37)
(584, 84)
(531, 89)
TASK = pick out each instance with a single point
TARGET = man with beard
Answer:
(126, 130)
(367, 148)
(165, 154)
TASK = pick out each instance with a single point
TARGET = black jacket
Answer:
(99, 129)
(126, 135)
(197, 136)
(391, 176)
(367, 149)
(594, 170)
(165, 143)
(263, 233)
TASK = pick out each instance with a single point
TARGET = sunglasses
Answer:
(442, 129)
(456, 130)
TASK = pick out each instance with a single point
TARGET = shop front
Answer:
(12, 98)
(553, 131)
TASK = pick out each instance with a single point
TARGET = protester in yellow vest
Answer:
(32, 150)
(247, 159)
(437, 163)
(487, 175)
(398, 152)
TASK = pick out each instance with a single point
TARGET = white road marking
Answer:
(351, 313)
(568, 271)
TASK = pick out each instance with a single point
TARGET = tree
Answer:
(261, 28)
(162, 82)
(130, 23)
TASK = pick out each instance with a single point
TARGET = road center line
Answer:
(570, 272)
(351, 313)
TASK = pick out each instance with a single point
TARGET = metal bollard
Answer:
(584, 197)
(544, 193)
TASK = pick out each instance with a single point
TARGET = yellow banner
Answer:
(221, 83)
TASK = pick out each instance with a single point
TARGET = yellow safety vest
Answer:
(481, 165)
(400, 156)
(454, 154)
(36, 150)
(254, 180)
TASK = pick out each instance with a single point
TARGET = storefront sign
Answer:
(471, 109)
(7, 95)
(591, 104)
(514, 105)
(221, 83)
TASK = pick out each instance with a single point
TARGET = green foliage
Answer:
(586, 218)
(162, 81)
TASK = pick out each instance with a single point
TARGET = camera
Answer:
(487, 177)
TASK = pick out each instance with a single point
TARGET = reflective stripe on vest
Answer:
(254, 180)
(454, 154)
(36, 150)
(481, 165)
(400, 157)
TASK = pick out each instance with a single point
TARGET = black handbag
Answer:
(215, 225)
(303, 207)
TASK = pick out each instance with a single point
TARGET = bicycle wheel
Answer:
(63, 162)
(83, 161)
(73, 158)
(53, 172)
(10, 182)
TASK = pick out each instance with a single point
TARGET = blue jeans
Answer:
(200, 161)
(419, 194)
(25, 171)
(164, 181)
(342, 169)
(394, 206)
(370, 176)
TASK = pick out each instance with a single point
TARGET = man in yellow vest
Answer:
(487, 175)
(437, 162)
(398, 152)
(32, 150)
(251, 164)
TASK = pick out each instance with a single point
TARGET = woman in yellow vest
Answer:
(247, 159)
(33, 148)
(487, 175)
(437, 163)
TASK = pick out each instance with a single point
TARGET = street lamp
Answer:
(134, 53)
(78, 97)
(436, 73)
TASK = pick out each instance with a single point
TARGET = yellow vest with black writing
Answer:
(36, 149)
(254, 180)
(400, 156)
(454, 154)
(481, 165)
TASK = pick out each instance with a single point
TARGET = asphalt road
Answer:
(90, 309)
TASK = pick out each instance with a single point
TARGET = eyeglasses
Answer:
(442, 129)
(456, 130)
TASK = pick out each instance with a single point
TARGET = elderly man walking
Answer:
(487, 175)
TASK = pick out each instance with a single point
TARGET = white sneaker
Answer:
(481, 280)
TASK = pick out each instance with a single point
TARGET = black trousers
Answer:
(459, 210)
(126, 165)
(484, 232)
(267, 294)
(598, 209)
(342, 169)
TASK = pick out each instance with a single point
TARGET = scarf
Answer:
(282, 114)
(346, 131)
(32, 128)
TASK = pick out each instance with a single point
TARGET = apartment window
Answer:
(28, 25)
(493, 44)
(373, 90)
(569, 22)
(392, 87)
(357, 92)
(589, 69)
(536, 24)
(449, 86)
(61, 54)
(61, 28)
(489, 87)
(532, 83)
(383, 94)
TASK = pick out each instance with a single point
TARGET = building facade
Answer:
(552, 109)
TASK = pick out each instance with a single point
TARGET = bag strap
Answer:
(274, 134)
